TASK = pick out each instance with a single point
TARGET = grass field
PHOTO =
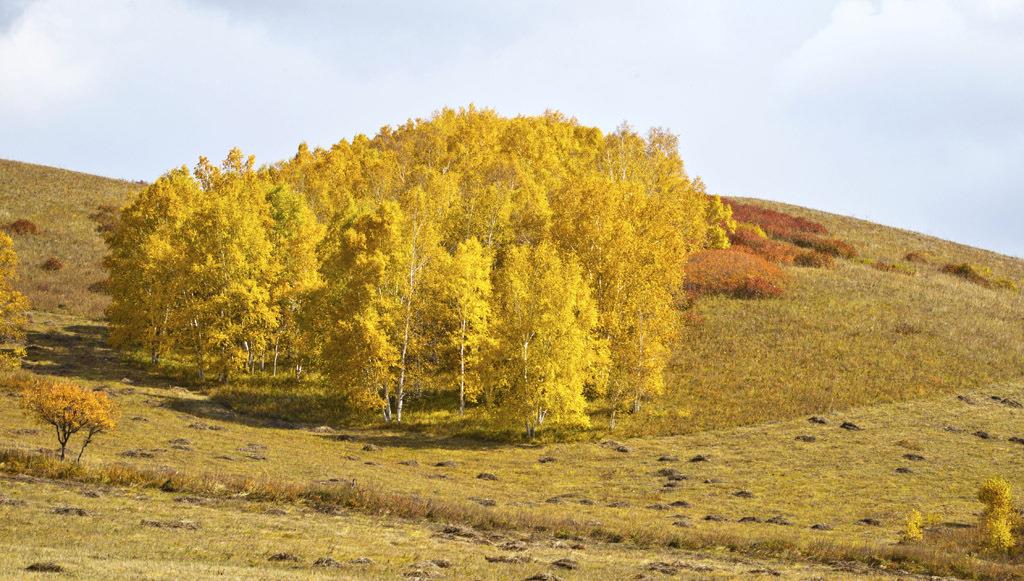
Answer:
(61, 204)
(753, 477)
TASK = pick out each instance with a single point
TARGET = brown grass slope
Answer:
(60, 203)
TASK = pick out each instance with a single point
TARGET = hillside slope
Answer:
(849, 336)
(63, 205)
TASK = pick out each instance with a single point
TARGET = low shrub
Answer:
(892, 267)
(751, 241)
(998, 518)
(52, 264)
(815, 259)
(918, 257)
(733, 273)
(106, 217)
(773, 222)
(914, 529)
(101, 287)
(979, 275)
(22, 227)
(831, 246)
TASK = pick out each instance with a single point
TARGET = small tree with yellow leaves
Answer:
(12, 307)
(998, 518)
(914, 530)
(70, 409)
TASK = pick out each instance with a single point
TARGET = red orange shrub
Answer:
(831, 246)
(747, 240)
(733, 273)
(774, 223)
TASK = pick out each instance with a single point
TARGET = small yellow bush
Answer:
(914, 530)
(997, 518)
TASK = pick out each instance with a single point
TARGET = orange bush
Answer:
(734, 273)
(831, 246)
(746, 240)
(773, 222)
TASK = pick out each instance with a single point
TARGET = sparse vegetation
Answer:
(59, 202)
(979, 275)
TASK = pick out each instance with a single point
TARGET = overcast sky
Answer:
(909, 113)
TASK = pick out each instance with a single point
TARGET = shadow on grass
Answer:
(81, 351)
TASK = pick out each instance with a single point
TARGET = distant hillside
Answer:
(65, 207)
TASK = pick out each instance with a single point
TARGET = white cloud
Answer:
(37, 72)
(891, 109)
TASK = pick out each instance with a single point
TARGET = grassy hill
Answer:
(880, 341)
(851, 335)
(66, 207)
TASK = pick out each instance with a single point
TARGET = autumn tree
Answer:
(294, 237)
(545, 352)
(147, 273)
(361, 306)
(70, 409)
(191, 267)
(468, 296)
(12, 306)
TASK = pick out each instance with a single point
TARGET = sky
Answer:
(905, 112)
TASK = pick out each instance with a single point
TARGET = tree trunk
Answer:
(636, 405)
(277, 350)
(462, 370)
(611, 420)
(88, 440)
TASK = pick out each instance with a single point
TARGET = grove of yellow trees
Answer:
(531, 265)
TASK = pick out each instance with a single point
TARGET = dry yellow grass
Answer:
(60, 203)
(593, 490)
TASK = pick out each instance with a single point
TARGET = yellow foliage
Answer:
(998, 517)
(914, 529)
(424, 218)
(12, 306)
(70, 409)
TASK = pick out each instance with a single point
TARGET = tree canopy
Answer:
(532, 264)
